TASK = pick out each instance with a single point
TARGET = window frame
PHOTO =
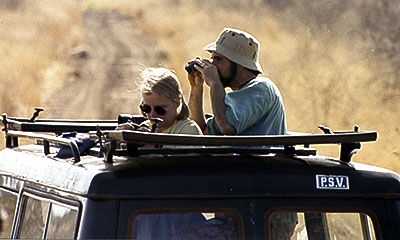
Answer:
(16, 194)
(203, 209)
(324, 210)
(27, 192)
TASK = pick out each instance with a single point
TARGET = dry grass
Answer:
(328, 73)
(33, 41)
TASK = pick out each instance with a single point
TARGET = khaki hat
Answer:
(237, 46)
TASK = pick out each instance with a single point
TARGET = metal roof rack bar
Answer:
(12, 141)
(214, 150)
(253, 140)
(349, 141)
(59, 126)
(50, 120)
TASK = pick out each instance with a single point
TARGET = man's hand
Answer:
(195, 78)
(208, 72)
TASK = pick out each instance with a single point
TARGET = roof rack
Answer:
(15, 128)
(349, 141)
(12, 141)
(109, 138)
(59, 126)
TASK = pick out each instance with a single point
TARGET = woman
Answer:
(162, 98)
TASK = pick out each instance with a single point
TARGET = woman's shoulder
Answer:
(186, 126)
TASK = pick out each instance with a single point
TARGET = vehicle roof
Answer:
(250, 167)
(197, 175)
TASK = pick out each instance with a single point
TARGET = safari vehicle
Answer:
(207, 187)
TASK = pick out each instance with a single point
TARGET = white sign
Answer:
(332, 182)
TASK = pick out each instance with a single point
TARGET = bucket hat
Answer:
(238, 46)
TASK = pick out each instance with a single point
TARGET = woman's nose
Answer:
(153, 113)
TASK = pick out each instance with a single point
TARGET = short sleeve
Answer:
(212, 127)
(191, 128)
(247, 106)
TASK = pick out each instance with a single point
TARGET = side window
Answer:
(46, 218)
(319, 225)
(188, 225)
(8, 202)
(33, 219)
(62, 222)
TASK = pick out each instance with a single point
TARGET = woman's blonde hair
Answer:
(163, 81)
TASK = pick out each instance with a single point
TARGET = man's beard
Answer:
(226, 81)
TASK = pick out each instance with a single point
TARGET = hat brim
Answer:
(236, 58)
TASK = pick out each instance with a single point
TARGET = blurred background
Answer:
(336, 62)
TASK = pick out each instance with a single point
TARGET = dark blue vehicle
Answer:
(211, 187)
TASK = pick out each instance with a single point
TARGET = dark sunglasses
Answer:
(158, 109)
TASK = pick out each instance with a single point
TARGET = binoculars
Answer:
(190, 68)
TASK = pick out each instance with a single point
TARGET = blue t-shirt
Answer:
(256, 109)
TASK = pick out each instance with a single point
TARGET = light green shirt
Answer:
(185, 126)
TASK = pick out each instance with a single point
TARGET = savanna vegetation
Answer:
(336, 62)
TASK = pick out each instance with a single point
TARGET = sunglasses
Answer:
(158, 109)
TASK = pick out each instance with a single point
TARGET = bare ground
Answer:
(104, 73)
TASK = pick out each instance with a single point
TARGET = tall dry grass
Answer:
(325, 57)
(34, 38)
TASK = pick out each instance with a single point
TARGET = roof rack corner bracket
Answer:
(133, 148)
(46, 146)
(109, 148)
(99, 135)
(75, 151)
(11, 141)
(348, 150)
(36, 114)
(290, 150)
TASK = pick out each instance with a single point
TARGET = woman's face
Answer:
(157, 102)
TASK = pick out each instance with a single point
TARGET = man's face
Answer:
(226, 69)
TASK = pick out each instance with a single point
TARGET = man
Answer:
(254, 107)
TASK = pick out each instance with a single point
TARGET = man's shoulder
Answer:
(265, 84)
(262, 81)
(261, 84)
